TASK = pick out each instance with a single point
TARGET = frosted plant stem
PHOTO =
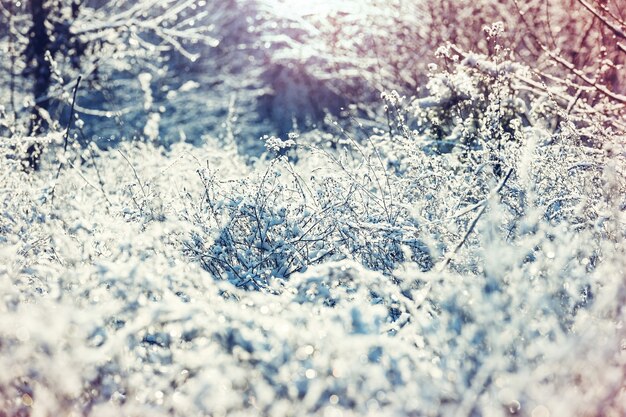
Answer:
(66, 137)
(474, 221)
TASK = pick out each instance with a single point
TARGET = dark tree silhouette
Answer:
(41, 74)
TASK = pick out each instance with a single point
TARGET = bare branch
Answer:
(616, 29)
(599, 87)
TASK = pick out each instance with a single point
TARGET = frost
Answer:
(144, 81)
(276, 145)
(114, 298)
(453, 246)
(151, 129)
(188, 86)
(496, 29)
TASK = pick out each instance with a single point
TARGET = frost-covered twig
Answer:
(66, 138)
(143, 191)
(472, 225)
(617, 30)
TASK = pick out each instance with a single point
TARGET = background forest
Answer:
(333, 208)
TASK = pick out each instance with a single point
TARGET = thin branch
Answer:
(69, 123)
(571, 67)
(599, 87)
(80, 174)
(66, 138)
(143, 191)
(614, 28)
(472, 225)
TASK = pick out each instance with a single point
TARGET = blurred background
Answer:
(235, 70)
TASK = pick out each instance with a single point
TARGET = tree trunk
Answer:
(39, 44)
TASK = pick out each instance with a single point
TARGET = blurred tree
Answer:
(58, 40)
(45, 42)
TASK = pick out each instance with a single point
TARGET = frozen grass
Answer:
(184, 282)
(460, 254)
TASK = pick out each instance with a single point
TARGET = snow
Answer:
(454, 253)
(106, 311)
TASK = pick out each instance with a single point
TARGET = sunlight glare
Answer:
(317, 7)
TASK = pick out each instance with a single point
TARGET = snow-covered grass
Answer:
(365, 275)
(460, 253)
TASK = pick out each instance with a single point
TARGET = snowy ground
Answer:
(425, 263)
(107, 309)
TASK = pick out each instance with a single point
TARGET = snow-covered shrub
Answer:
(260, 228)
(470, 105)
(284, 218)
(347, 272)
(110, 305)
